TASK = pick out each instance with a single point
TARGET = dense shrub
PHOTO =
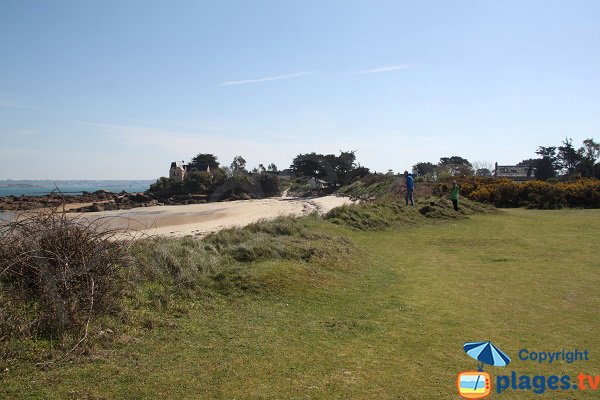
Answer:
(538, 194)
(549, 194)
(217, 185)
(467, 185)
(269, 184)
(57, 273)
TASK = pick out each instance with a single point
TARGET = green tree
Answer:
(269, 184)
(589, 153)
(456, 165)
(358, 173)
(528, 162)
(165, 187)
(546, 166)
(202, 160)
(424, 169)
(568, 158)
(344, 164)
(238, 165)
(334, 169)
(197, 182)
(311, 165)
(272, 169)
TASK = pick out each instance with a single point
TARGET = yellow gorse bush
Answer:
(535, 194)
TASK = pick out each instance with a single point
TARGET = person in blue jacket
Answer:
(410, 187)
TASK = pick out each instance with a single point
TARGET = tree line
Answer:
(566, 159)
(224, 180)
(553, 161)
(342, 169)
(333, 170)
(221, 182)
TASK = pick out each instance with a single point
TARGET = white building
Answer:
(178, 170)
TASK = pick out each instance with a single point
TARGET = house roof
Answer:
(178, 164)
(514, 170)
(186, 167)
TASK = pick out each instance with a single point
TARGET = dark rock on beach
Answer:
(103, 200)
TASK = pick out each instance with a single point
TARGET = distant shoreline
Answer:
(70, 187)
(18, 185)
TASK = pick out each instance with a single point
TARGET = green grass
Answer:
(385, 213)
(383, 186)
(385, 320)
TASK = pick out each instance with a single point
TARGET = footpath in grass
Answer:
(388, 321)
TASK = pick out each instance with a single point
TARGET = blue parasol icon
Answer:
(486, 353)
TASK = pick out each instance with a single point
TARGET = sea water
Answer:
(40, 188)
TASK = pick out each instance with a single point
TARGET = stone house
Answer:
(179, 169)
(315, 183)
(516, 173)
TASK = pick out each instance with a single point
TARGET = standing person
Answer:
(454, 195)
(410, 187)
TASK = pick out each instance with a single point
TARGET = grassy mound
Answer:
(373, 215)
(165, 267)
(385, 213)
(372, 187)
(389, 187)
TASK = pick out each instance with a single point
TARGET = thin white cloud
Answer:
(389, 68)
(267, 79)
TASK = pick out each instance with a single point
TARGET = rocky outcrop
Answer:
(103, 200)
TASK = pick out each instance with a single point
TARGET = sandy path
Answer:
(200, 219)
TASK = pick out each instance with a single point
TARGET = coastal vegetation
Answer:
(329, 307)
(579, 192)
(314, 174)
(217, 183)
(236, 182)
(78, 291)
(58, 274)
(61, 275)
(564, 161)
(331, 169)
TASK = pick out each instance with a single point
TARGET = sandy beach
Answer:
(201, 219)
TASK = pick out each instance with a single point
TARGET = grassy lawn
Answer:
(387, 321)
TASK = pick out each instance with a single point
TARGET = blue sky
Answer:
(119, 89)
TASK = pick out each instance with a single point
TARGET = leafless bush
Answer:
(57, 273)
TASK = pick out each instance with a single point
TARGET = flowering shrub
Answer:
(535, 194)
(468, 184)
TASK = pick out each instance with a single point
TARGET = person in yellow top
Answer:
(454, 195)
